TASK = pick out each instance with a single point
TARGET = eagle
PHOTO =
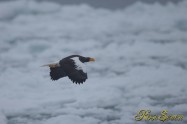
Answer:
(72, 66)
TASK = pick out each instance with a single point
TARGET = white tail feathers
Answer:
(53, 65)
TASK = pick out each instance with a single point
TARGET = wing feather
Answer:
(77, 76)
(56, 73)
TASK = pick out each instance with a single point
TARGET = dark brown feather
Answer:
(57, 73)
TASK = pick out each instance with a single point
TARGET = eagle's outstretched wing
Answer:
(76, 75)
(56, 73)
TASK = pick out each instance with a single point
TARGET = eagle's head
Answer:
(86, 59)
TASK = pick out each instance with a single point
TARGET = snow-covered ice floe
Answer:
(141, 54)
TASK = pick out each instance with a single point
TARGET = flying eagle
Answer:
(72, 66)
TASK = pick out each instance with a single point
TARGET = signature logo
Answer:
(147, 116)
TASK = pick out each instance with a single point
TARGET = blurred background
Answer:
(108, 4)
(140, 48)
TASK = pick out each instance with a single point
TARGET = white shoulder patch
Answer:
(79, 65)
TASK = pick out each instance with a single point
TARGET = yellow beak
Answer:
(92, 60)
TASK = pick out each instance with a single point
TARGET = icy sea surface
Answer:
(141, 62)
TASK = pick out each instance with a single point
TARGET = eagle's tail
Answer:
(53, 65)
